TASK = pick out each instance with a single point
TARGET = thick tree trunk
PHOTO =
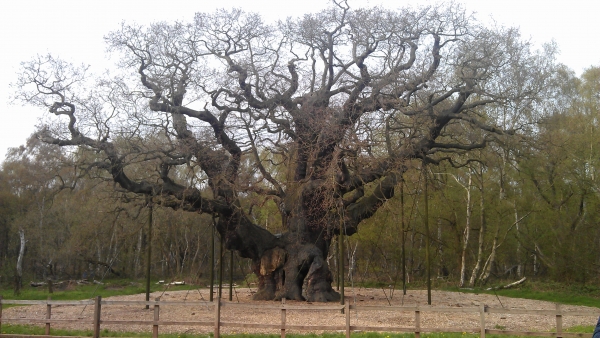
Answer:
(282, 273)
(291, 265)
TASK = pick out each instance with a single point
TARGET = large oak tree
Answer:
(320, 114)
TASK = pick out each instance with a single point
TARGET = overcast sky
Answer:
(74, 30)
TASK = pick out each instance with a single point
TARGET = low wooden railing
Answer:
(97, 320)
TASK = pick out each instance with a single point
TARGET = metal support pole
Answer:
(231, 276)
(149, 252)
(427, 255)
(212, 260)
(403, 237)
(220, 267)
(341, 265)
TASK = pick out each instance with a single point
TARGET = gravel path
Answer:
(358, 297)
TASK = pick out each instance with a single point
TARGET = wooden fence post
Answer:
(558, 321)
(97, 309)
(417, 323)
(283, 318)
(347, 320)
(156, 317)
(482, 321)
(48, 315)
(217, 317)
(0, 313)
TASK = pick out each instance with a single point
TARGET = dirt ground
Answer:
(357, 296)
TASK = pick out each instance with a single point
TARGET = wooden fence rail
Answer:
(97, 320)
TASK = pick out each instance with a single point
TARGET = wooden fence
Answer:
(216, 323)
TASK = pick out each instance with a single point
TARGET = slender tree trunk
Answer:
(411, 258)
(535, 265)
(185, 251)
(440, 249)
(466, 235)
(519, 260)
(41, 209)
(351, 260)
(481, 238)
(138, 253)
(98, 251)
(490, 261)
(194, 265)
(19, 268)
(111, 247)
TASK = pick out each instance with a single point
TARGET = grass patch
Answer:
(87, 291)
(36, 330)
(581, 329)
(585, 295)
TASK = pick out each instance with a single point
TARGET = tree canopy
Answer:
(321, 114)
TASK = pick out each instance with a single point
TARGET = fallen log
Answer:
(508, 286)
(108, 266)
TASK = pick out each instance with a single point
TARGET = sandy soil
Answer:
(356, 296)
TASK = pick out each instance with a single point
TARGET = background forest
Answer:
(523, 206)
